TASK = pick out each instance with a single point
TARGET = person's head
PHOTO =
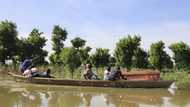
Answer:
(88, 66)
(118, 68)
(48, 71)
(108, 68)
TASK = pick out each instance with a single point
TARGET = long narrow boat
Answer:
(94, 83)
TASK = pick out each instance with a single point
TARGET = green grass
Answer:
(182, 79)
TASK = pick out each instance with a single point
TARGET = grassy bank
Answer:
(182, 79)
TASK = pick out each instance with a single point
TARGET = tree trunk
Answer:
(72, 74)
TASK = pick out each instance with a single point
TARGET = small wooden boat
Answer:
(94, 83)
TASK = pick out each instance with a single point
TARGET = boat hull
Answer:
(94, 83)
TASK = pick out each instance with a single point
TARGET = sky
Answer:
(102, 22)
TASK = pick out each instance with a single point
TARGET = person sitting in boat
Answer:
(31, 72)
(46, 74)
(27, 73)
(115, 74)
(118, 74)
(34, 72)
(88, 74)
(107, 73)
(27, 63)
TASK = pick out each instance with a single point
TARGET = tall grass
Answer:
(182, 78)
(6, 69)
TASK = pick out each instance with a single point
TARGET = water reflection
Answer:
(27, 95)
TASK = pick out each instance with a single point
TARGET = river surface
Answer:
(14, 94)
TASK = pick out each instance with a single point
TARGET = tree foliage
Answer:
(55, 59)
(8, 40)
(140, 59)
(100, 58)
(78, 42)
(84, 54)
(70, 58)
(181, 55)
(59, 35)
(158, 57)
(32, 47)
(125, 50)
(112, 61)
(127, 53)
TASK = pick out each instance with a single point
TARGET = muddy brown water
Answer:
(14, 94)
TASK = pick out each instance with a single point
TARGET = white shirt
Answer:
(106, 74)
(27, 73)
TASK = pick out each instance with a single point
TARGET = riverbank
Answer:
(182, 79)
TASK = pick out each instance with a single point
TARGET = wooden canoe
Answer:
(94, 83)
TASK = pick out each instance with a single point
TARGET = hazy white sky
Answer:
(103, 22)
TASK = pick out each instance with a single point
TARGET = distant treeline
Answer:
(127, 53)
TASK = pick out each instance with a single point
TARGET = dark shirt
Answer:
(118, 75)
(115, 75)
(41, 74)
(88, 74)
(25, 65)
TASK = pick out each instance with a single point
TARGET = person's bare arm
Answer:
(85, 77)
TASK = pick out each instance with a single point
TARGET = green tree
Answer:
(53, 58)
(70, 59)
(181, 55)
(84, 54)
(100, 58)
(23, 49)
(125, 50)
(32, 47)
(112, 61)
(8, 40)
(140, 59)
(59, 35)
(158, 57)
(78, 42)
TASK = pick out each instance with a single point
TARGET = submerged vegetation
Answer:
(68, 61)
